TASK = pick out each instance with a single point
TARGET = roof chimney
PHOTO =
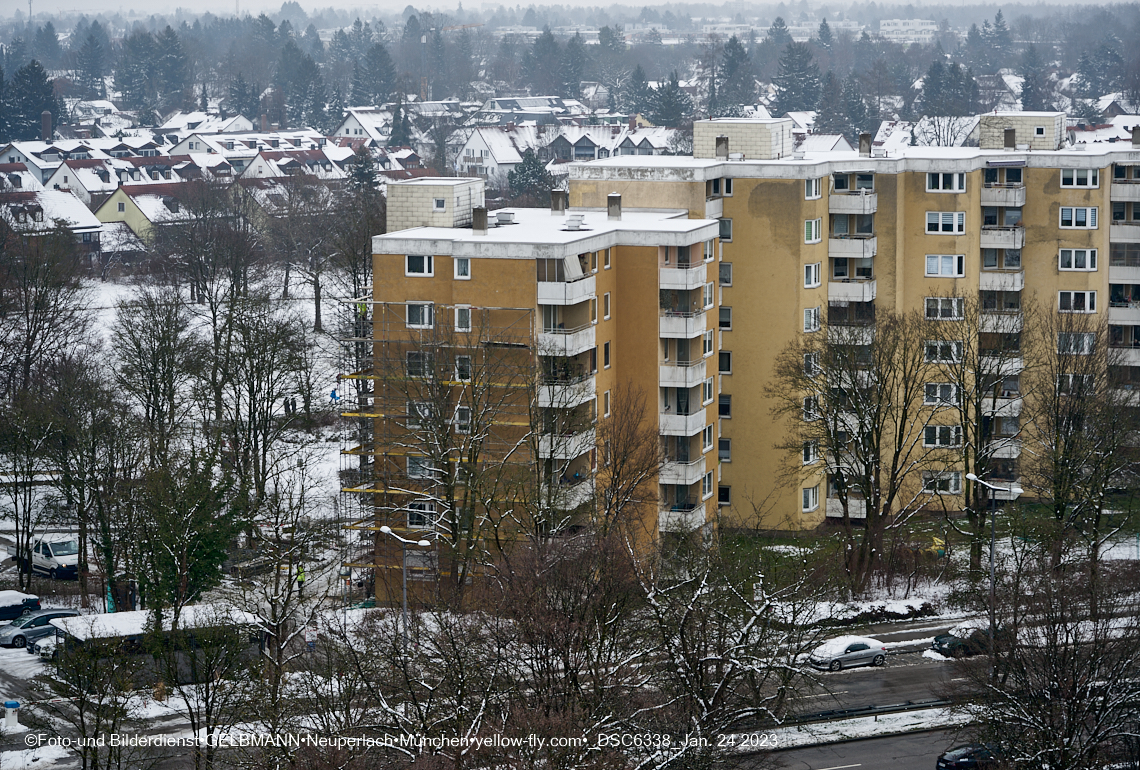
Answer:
(479, 220)
(1136, 136)
(613, 205)
(1011, 139)
(45, 125)
(264, 123)
(559, 202)
(864, 145)
(722, 147)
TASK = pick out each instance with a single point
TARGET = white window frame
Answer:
(955, 351)
(724, 450)
(811, 320)
(427, 308)
(428, 262)
(423, 468)
(721, 318)
(937, 398)
(811, 364)
(942, 262)
(945, 308)
(725, 271)
(425, 512)
(1070, 378)
(606, 404)
(942, 436)
(811, 408)
(708, 438)
(426, 363)
(709, 295)
(439, 204)
(707, 392)
(462, 268)
(725, 229)
(813, 189)
(931, 480)
(1073, 298)
(810, 452)
(1075, 343)
(813, 230)
(813, 275)
(809, 500)
(606, 259)
(726, 186)
(459, 371)
(956, 220)
(708, 346)
(1092, 218)
(1070, 256)
(606, 306)
(418, 412)
(1092, 178)
(462, 426)
(708, 485)
(957, 182)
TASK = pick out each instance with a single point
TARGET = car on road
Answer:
(31, 627)
(971, 756)
(13, 604)
(966, 639)
(847, 651)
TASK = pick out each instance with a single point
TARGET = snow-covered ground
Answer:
(847, 730)
(33, 759)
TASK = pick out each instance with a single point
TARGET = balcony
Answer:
(683, 277)
(1001, 322)
(859, 246)
(1124, 312)
(995, 194)
(567, 342)
(1003, 488)
(851, 290)
(1005, 364)
(568, 495)
(853, 202)
(1127, 190)
(568, 393)
(682, 424)
(678, 324)
(1004, 448)
(1003, 406)
(714, 208)
(566, 447)
(856, 509)
(851, 335)
(681, 518)
(682, 374)
(1123, 356)
(682, 473)
(566, 292)
(997, 237)
(1124, 232)
(1002, 280)
(1123, 273)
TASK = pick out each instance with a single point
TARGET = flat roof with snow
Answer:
(115, 625)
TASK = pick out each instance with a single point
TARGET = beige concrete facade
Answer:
(433, 202)
(754, 139)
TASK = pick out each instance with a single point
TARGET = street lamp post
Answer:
(1013, 489)
(404, 543)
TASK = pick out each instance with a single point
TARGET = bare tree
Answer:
(629, 462)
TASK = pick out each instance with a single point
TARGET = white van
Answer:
(56, 558)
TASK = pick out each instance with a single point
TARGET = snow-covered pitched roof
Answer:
(55, 205)
(824, 143)
(183, 123)
(16, 176)
(802, 121)
(118, 237)
(1116, 129)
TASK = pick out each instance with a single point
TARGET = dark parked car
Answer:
(972, 756)
(31, 627)
(13, 604)
(966, 640)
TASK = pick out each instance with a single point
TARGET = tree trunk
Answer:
(317, 303)
(285, 289)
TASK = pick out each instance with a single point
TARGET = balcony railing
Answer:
(682, 323)
(853, 202)
(1002, 237)
(1003, 194)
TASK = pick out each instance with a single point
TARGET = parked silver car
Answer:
(847, 651)
(31, 627)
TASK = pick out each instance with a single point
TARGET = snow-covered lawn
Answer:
(33, 759)
(18, 664)
(840, 730)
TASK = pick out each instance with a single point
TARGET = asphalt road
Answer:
(913, 751)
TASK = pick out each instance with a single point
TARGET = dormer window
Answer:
(38, 215)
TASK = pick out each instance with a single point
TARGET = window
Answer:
(724, 450)
(724, 364)
(707, 344)
(942, 482)
(810, 498)
(811, 319)
(946, 221)
(940, 393)
(813, 275)
(1080, 177)
(419, 412)
(811, 408)
(419, 316)
(942, 436)
(813, 189)
(707, 391)
(419, 363)
(726, 318)
(725, 229)
(594, 310)
(811, 452)
(943, 352)
(1074, 384)
(593, 261)
(606, 404)
(1077, 259)
(727, 186)
(725, 274)
(122, 206)
(1076, 343)
(944, 308)
(421, 515)
(724, 495)
(463, 419)
(1078, 218)
(462, 318)
(708, 296)
(811, 364)
(420, 468)
(1076, 301)
(707, 438)
(606, 259)
(439, 204)
(463, 268)
(463, 368)
(724, 407)
(707, 485)
(1039, 130)
(813, 230)
(419, 265)
(945, 182)
(946, 265)
(606, 356)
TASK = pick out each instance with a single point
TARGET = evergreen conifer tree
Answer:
(855, 107)
(638, 96)
(30, 93)
(737, 83)
(778, 34)
(824, 35)
(832, 118)
(401, 135)
(671, 105)
(1033, 85)
(92, 61)
(798, 81)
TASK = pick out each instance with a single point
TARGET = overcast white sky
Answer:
(254, 7)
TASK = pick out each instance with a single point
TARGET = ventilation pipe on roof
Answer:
(864, 145)
(559, 202)
(722, 147)
(479, 220)
(1011, 139)
(613, 205)
(45, 125)
(1136, 136)
(264, 123)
